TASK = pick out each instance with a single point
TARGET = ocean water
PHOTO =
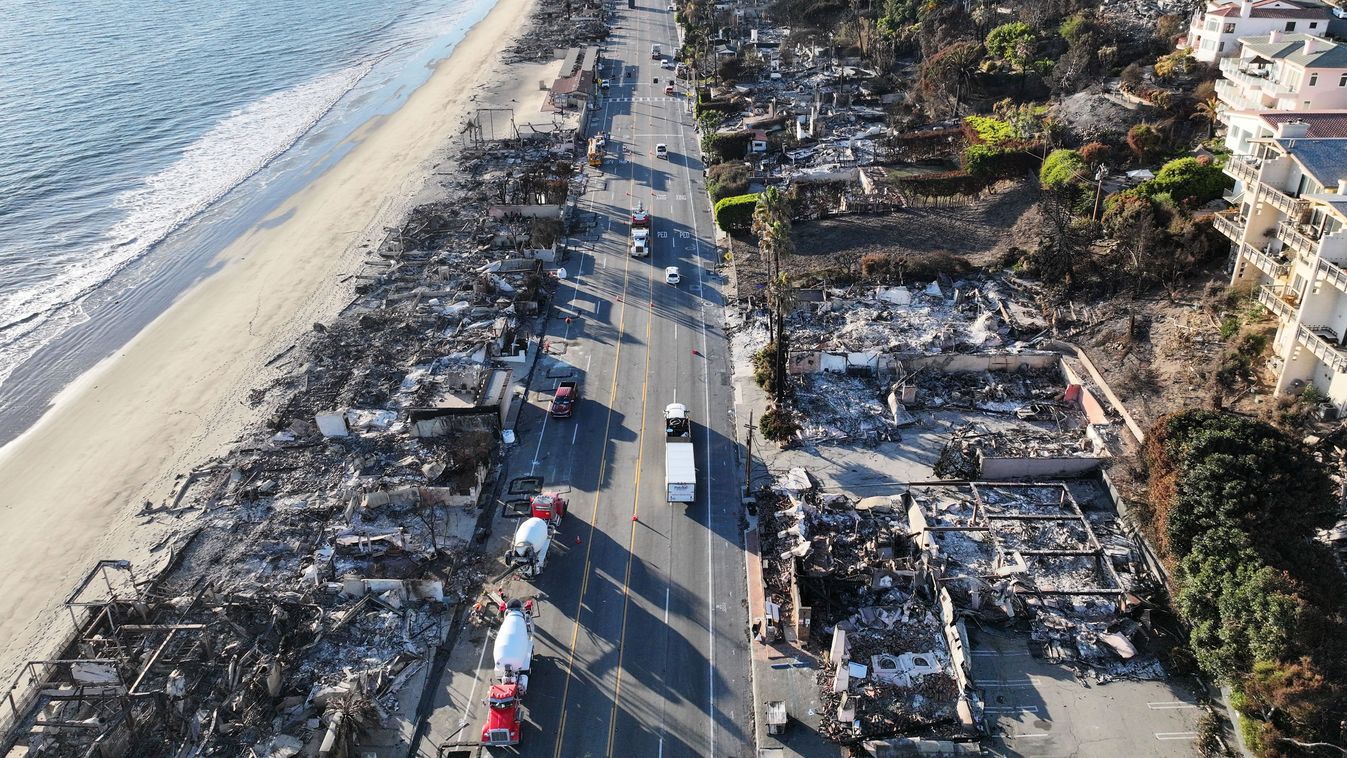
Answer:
(137, 138)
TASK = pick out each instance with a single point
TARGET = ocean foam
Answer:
(236, 148)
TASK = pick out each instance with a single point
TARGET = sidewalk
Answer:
(781, 671)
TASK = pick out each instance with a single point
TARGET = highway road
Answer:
(642, 642)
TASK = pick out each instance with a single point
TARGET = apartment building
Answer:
(1216, 28)
(1289, 234)
(1243, 128)
(1285, 72)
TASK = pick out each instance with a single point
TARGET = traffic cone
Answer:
(633, 517)
(577, 539)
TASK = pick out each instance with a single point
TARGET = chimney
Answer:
(1274, 36)
(1245, 8)
(1312, 45)
(1342, 186)
(1293, 129)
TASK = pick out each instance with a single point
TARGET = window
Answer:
(1314, 24)
(1220, 47)
(1228, 29)
(1213, 25)
(1307, 105)
(1314, 79)
(1342, 80)
(1290, 26)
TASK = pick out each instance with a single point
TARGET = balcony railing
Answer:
(1238, 71)
(1230, 224)
(1244, 170)
(1333, 274)
(1264, 262)
(1282, 301)
(1291, 206)
(1322, 349)
(1296, 239)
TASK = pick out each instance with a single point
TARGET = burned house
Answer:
(884, 590)
(316, 568)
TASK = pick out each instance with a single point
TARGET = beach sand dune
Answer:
(72, 487)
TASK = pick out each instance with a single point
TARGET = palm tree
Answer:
(1208, 110)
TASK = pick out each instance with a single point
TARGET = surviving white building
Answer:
(1216, 28)
(1243, 128)
(1285, 72)
(1289, 232)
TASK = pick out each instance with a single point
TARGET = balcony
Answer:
(1264, 262)
(1322, 343)
(1333, 274)
(1282, 301)
(1230, 224)
(1291, 206)
(1300, 241)
(1244, 170)
(1243, 74)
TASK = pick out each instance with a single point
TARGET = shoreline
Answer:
(128, 431)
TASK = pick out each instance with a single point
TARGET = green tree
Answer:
(945, 77)
(1012, 43)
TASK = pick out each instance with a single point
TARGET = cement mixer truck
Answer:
(513, 654)
(529, 550)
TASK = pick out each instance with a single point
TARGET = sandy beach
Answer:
(128, 431)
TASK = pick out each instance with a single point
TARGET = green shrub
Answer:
(726, 180)
(726, 146)
(778, 424)
(990, 131)
(997, 163)
(735, 214)
(1062, 168)
(1188, 179)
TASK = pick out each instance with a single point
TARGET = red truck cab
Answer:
(549, 507)
(563, 401)
(504, 716)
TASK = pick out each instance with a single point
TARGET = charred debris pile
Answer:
(328, 555)
(885, 589)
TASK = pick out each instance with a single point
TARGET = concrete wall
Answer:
(1000, 469)
(955, 363)
(526, 211)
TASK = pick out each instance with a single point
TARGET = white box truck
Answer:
(680, 465)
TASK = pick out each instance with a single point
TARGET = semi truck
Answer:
(680, 465)
(640, 242)
(513, 653)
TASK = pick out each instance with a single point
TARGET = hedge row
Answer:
(735, 214)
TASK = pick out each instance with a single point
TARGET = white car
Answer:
(662, 151)
(671, 275)
(666, 63)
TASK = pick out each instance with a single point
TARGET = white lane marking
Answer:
(476, 679)
(541, 435)
(574, 431)
(1025, 736)
(1163, 736)
(1011, 709)
(1172, 705)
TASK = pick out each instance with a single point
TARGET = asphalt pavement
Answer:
(641, 638)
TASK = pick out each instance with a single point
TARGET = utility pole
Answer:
(749, 428)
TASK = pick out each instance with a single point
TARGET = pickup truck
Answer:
(564, 399)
